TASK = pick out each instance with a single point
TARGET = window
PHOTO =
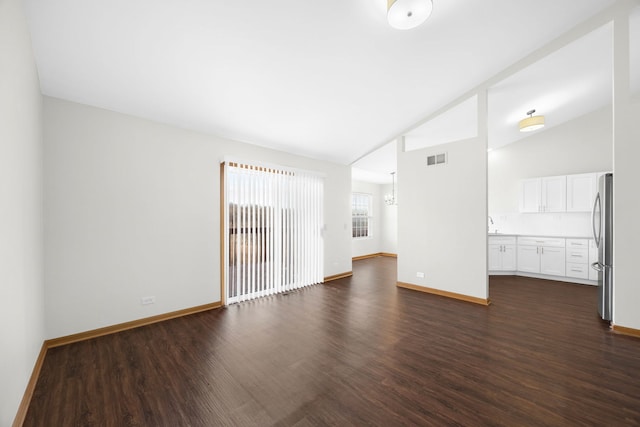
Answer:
(361, 219)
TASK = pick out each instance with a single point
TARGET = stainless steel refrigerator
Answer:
(602, 219)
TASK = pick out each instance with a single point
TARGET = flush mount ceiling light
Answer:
(531, 123)
(407, 14)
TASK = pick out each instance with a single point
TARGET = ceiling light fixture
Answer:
(531, 123)
(407, 14)
(390, 199)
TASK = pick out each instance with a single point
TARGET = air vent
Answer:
(437, 159)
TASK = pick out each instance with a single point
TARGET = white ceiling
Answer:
(457, 123)
(573, 81)
(327, 79)
(377, 166)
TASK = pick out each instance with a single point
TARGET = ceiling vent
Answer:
(437, 159)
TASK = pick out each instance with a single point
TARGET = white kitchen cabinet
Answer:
(579, 271)
(529, 259)
(581, 191)
(579, 254)
(495, 258)
(577, 244)
(548, 194)
(554, 194)
(502, 253)
(530, 195)
(541, 255)
(509, 257)
(552, 261)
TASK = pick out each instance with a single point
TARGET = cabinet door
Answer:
(552, 261)
(581, 190)
(579, 271)
(579, 256)
(495, 256)
(554, 194)
(528, 259)
(509, 258)
(577, 243)
(530, 195)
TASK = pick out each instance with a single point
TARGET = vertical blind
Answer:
(273, 230)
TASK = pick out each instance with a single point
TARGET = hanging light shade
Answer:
(407, 14)
(390, 199)
(531, 123)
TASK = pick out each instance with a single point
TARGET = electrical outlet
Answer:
(148, 300)
(420, 274)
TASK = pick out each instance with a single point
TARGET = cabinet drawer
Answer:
(580, 271)
(502, 240)
(541, 241)
(580, 256)
(578, 243)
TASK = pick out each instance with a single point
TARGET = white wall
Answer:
(385, 222)
(581, 145)
(441, 218)
(389, 232)
(626, 177)
(132, 210)
(369, 245)
(626, 199)
(21, 284)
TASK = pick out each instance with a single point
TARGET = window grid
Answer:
(361, 219)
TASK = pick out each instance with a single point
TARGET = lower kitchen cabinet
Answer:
(556, 258)
(552, 261)
(579, 271)
(502, 253)
(541, 255)
(529, 259)
(578, 258)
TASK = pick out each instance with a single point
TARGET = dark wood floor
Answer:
(357, 351)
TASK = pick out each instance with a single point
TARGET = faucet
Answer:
(489, 225)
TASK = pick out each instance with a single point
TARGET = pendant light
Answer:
(390, 199)
(531, 123)
(407, 14)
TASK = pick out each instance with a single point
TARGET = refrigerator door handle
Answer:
(597, 266)
(596, 234)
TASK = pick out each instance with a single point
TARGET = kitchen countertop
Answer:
(537, 235)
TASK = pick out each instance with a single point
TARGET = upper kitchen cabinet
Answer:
(530, 195)
(581, 190)
(548, 194)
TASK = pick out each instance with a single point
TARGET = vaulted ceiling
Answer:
(327, 79)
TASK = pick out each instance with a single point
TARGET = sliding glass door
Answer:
(273, 230)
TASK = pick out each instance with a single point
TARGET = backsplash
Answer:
(565, 224)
